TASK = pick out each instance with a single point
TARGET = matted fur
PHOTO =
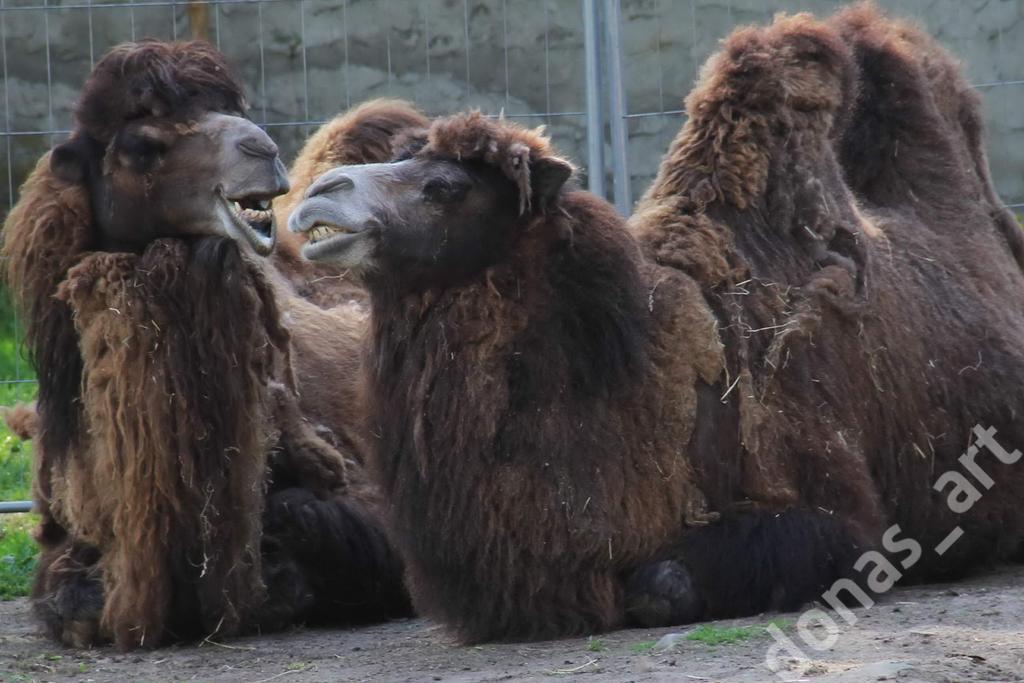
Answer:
(173, 488)
(714, 411)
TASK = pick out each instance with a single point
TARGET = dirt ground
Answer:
(969, 631)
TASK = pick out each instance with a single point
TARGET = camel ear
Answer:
(548, 175)
(67, 161)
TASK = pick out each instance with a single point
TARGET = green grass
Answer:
(713, 636)
(729, 635)
(17, 549)
(15, 461)
(17, 555)
(13, 364)
(595, 644)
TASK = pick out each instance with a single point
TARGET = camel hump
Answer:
(915, 132)
(23, 420)
(766, 103)
(757, 157)
(797, 63)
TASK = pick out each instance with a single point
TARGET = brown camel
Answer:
(331, 307)
(713, 410)
(365, 134)
(191, 481)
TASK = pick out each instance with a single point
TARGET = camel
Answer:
(328, 304)
(722, 406)
(192, 481)
(370, 132)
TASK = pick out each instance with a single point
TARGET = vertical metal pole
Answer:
(595, 118)
(617, 105)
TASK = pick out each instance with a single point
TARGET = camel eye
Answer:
(142, 151)
(444, 191)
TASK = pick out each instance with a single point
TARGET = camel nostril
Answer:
(329, 183)
(258, 147)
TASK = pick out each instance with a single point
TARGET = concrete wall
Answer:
(523, 56)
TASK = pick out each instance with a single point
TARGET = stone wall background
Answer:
(525, 57)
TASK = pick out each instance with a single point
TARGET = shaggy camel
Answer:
(714, 410)
(184, 490)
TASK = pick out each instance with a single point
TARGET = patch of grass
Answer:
(17, 555)
(15, 456)
(13, 363)
(723, 635)
(17, 549)
(595, 645)
(729, 635)
(15, 465)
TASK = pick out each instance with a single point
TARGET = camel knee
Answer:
(662, 594)
(69, 596)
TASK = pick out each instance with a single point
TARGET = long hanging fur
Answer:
(170, 340)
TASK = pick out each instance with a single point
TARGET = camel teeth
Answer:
(256, 215)
(322, 232)
(263, 204)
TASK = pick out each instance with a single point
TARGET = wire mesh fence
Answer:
(664, 43)
(607, 77)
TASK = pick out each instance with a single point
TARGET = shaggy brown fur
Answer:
(157, 493)
(363, 135)
(183, 489)
(22, 419)
(715, 411)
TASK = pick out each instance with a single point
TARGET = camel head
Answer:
(163, 146)
(450, 208)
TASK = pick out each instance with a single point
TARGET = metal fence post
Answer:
(617, 105)
(595, 112)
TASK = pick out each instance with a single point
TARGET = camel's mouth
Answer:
(330, 242)
(251, 217)
(323, 231)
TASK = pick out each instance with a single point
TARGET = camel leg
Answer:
(328, 561)
(68, 590)
(744, 564)
(661, 594)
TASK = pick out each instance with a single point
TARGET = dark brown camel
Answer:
(365, 134)
(714, 410)
(191, 481)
